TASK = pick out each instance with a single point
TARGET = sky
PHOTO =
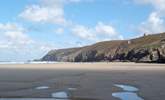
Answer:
(30, 28)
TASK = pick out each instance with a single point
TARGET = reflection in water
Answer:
(66, 95)
(128, 94)
(42, 87)
(72, 89)
(127, 87)
(60, 95)
(46, 99)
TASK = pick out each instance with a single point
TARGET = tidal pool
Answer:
(129, 93)
(62, 95)
(127, 87)
(127, 96)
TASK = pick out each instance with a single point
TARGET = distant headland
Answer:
(148, 48)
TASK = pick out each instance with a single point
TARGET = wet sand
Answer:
(90, 80)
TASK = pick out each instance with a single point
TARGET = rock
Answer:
(150, 48)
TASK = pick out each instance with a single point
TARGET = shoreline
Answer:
(85, 66)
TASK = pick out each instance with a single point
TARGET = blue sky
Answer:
(30, 28)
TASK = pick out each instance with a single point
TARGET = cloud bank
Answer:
(156, 20)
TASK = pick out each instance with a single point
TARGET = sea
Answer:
(28, 62)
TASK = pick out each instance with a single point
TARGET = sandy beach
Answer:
(90, 80)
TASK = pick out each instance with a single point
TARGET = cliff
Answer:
(150, 48)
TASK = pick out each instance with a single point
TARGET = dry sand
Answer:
(91, 80)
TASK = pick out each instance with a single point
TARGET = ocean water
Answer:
(33, 62)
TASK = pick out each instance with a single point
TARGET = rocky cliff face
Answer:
(149, 48)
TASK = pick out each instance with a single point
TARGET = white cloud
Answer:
(3, 46)
(46, 47)
(101, 28)
(8, 26)
(14, 41)
(14, 34)
(59, 31)
(83, 32)
(52, 11)
(47, 11)
(157, 4)
(155, 22)
(96, 33)
(44, 14)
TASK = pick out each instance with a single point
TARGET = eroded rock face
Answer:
(155, 55)
(87, 56)
(144, 49)
(161, 52)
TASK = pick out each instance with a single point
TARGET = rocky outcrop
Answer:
(149, 48)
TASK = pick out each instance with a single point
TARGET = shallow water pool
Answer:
(60, 95)
(129, 93)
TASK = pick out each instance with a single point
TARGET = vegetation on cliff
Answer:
(150, 48)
